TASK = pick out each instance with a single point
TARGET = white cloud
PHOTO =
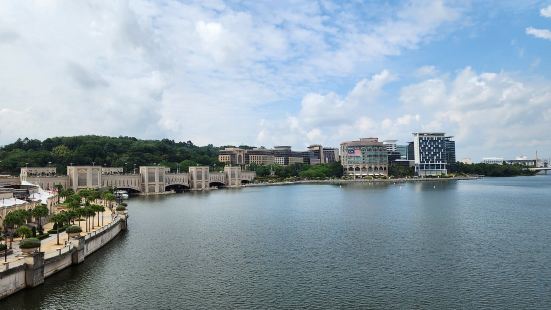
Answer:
(492, 111)
(202, 71)
(539, 33)
(546, 12)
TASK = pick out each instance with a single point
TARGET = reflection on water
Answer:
(457, 244)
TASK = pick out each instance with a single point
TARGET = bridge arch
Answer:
(216, 184)
(178, 188)
(130, 190)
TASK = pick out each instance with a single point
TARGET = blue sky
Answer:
(285, 72)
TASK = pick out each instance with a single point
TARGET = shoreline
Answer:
(359, 181)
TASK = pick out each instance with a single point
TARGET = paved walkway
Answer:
(49, 245)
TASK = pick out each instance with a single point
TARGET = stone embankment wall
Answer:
(39, 266)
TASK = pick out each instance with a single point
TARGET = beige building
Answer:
(84, 177)
(199, 177)
(150, 180)
(153, 179)
(364, 157)
(233, 176)
(232, 156)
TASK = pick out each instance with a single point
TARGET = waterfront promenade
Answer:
(364, 181)
(49, 245)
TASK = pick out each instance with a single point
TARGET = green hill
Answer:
(104, 151)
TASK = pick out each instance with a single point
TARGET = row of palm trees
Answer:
(78, 206)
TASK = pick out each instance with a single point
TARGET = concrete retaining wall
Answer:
(36, 268)
(12, 280)
(57, 263)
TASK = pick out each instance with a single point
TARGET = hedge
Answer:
(29, 243)
(54, 231)
(73, 229)
(43, 236)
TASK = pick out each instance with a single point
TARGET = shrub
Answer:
(29, 243)
(42, 236)
(73, 229)
(24, 231)
(53, 231)
(3, 247)
(121, 208)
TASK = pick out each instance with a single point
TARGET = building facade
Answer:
(493, 160)
(149, 180)
(364, 157)
(431, 153)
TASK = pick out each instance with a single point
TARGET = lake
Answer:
(457, 244)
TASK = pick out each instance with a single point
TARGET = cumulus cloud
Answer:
(201, 70)
(539, 33)
(490, 110)
(489, 113)
(546, 12)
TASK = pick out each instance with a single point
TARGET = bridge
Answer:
(149, 179)
(539, 169)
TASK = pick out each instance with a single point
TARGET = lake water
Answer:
(458, 244)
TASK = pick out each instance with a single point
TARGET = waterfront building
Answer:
(411, 151)
(431, 153)
(364, 157)
(259, 156)
(232, 156)
(493, 160)
(330, 155)
(44, 177)
(315, 153)
(149, 180)
(403, 150)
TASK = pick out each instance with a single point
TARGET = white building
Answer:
(431, 153)
(493, 160)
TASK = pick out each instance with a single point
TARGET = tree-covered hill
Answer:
(100, 150)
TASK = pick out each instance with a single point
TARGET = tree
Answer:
(24, 231)
(108, 197)
(12, 220)
(39, 212)
(58, 219)
(98, 209)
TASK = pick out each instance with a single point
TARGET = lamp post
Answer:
(134, 168)
(177, 167)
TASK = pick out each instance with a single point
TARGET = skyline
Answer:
(293, 74)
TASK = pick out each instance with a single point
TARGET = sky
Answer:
(271, 73)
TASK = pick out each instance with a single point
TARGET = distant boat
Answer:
(122, 194)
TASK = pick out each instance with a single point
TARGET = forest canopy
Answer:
(104, 151)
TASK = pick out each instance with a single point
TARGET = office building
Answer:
(364, 157)
(431, 153)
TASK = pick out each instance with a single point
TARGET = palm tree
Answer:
(58, 219)
(82, 213)
(98, 209)
(90, 213)
(59, 190)
(39, 212)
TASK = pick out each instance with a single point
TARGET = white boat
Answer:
(122, 194)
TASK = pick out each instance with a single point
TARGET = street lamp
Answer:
(177, 167)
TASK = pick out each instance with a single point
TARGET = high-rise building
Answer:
(431, 153)
(364, 157)
(411, 151)
(330, 155)
(403, 150)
